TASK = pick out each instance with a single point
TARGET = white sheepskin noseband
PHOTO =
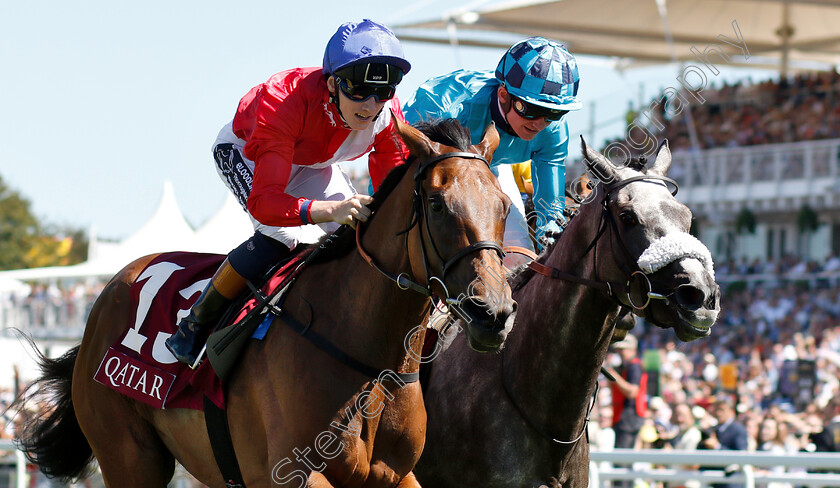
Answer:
(672, 247)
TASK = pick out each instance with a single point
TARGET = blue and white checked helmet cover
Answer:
(541, 72)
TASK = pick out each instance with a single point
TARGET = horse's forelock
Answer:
(637, 162)
(449, 132)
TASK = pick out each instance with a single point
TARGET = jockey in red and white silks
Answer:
(296, 136)
(279, 153)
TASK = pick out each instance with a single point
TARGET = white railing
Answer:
(780, 176)
(732, 467)
(19, 478)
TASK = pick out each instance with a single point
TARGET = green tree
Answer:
(745, 221)
(807, 220)
(18, 228)
(26, 243)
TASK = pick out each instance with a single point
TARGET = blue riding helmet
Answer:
(363, 42)
(541, 72)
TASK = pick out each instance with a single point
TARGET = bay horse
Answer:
(518, 417)
(438, 220)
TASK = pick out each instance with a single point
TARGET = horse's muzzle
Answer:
(697, 304)
(487, 324)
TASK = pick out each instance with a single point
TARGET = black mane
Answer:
(343, 240)
(520, 276)
(446, 131)
(637, 162)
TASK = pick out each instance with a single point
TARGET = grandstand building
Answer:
(761, 202)
(791, 190)
(758, 163)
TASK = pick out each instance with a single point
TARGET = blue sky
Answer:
(102, 101)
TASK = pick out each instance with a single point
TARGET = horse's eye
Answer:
(436, 204)
(628, 218)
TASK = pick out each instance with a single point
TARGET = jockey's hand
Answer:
(547, 234)
(344, 212)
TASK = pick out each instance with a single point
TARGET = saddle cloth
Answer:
(138, 364)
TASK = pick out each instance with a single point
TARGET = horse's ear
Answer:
(663, 160)
(599, 166)
(489, 142)
(418, 144)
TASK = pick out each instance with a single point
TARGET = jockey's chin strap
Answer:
(607, 221)
(418, 212)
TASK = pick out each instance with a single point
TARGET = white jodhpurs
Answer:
(516, 227)
(312, 182)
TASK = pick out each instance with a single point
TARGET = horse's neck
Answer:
(373, 315)
(387, 314)
(560, 344)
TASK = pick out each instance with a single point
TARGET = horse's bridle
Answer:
(609, 288)
(614, 290)
(274, 303)
(418, 212)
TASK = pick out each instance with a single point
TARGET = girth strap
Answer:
(328, 347)
(218, 430)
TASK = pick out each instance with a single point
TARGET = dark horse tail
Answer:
(51, 438)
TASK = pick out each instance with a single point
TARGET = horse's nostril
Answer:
(474, 308)
(690, 297)
(712, 301)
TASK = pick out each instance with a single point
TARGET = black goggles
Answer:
(361, 92)
(531, 112)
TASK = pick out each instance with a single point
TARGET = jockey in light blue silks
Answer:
(533, 87)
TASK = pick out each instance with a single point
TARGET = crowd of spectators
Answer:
(798, 108)
(49, 309)
(787, 267)
(773, 356)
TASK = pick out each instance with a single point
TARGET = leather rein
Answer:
(610, 288)
(418, 213)
(274, 303)
(607, 221)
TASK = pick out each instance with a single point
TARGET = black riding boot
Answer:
(194, 329)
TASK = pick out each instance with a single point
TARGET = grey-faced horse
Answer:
(517, 418)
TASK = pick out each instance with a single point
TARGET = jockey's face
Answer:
(526, 129)
(357, 115)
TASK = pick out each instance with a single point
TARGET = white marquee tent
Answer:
(166, 230)
(225, 230)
